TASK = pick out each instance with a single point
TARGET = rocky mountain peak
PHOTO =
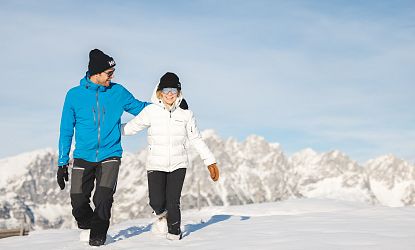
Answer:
(252, 171)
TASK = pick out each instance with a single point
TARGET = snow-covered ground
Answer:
(292, 224)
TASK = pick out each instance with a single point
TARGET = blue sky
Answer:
(306, 74)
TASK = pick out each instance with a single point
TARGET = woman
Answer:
(169, 126)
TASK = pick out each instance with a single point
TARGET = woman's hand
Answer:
(214, 171)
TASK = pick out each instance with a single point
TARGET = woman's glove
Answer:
(214, 171)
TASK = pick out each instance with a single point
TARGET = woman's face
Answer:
(169, 95)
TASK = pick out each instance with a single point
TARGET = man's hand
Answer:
(62, 175)
(214, 172)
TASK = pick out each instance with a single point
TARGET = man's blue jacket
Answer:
(95, 113)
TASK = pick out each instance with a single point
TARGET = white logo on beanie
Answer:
(111, 63)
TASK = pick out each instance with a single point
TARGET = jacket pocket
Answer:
(109, 173)
(76, 180)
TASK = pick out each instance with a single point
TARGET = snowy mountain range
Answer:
(252, 171)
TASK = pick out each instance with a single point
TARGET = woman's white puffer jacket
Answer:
(168, 131)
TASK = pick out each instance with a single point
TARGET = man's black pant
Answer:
(165, 190)
(84, 174)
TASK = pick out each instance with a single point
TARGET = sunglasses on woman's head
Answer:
(172, 90)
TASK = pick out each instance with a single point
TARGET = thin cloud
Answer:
(311, 70)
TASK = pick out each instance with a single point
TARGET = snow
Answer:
(52, 211)
(292, 224)
(332, 188)
(389, 196)
(209, 133)
(18, 165)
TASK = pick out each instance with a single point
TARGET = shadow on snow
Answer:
(129, 232)
(189, 228)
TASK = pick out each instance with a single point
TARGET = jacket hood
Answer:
(85, 82)
(160, 103)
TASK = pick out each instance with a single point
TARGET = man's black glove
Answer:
(62, 176)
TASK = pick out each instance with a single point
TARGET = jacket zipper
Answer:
(103, 115)
(93, 112)
(169, 139)
(99, 128)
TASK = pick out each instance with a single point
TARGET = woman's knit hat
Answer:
(169, 80)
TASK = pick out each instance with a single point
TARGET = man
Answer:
(94, 109)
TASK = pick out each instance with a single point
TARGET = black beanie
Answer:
(169, 80)
(99, 62)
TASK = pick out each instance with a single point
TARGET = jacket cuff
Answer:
(210, 161)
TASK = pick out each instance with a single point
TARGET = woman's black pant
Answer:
(85, 176)
(165, 190)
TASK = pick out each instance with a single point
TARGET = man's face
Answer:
(104, 78)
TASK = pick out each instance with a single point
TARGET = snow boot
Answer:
(170, 236)
(84, 235)
(159, 226)
(174, 232)
(98, 234)
(97, 241)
